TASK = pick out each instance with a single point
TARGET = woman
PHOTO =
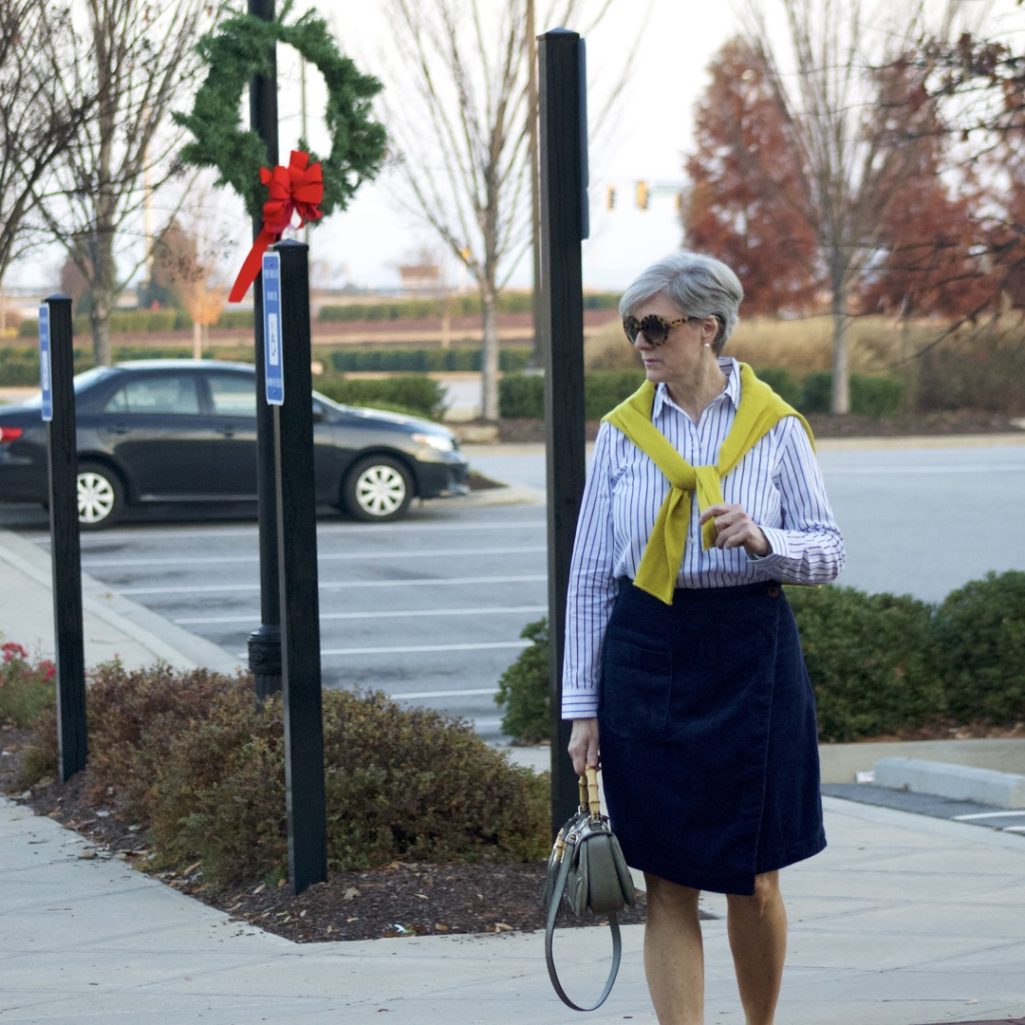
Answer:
(683, 667)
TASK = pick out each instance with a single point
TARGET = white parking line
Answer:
(427, 695)
(339, 585)
(397, 614)
(922, 471)
(1020, 813)
(418, 553)
(329, 529)
(419, 648)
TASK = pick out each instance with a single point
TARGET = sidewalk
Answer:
(904, 920)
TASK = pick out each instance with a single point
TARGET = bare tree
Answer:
(137, 57)
(850, 152)
(39, 117)
(460, 127)
(185, 270)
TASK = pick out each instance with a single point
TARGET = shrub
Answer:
(420, 394)
(522, 395)
(783, 383)
(407, 783)
(437, 360)
(873, 396)
(868, 659)
(983, 370)
(605, 389)
(816, 392)
(876, 396)
(235, 319)
(26, 688)
(524, 689)
(135, 717)
(194, 760)
(980, 649)
(219, 794)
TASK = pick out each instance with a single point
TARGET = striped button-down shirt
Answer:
(778, 483)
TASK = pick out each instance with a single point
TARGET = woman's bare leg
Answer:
(757, 927)
(673, 953)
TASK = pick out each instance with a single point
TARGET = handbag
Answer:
(586, 872)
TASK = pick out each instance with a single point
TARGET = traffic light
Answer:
(610, 197)
(641, 195)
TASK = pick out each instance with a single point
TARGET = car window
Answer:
(233, 394)
(169, 393)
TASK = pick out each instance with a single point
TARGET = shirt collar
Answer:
(729, 367)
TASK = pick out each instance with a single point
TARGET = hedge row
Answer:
(144, 322)
(409, 393)
(19, 367)
(523, 396)
(422, 361)
(880, 664)
(193, 760)
(457, 306)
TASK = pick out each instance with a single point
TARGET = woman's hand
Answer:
(583, 744)
(735, 529)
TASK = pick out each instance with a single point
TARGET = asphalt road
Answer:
(920, 521)
(430, 609)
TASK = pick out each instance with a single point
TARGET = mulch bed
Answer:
(400, 899)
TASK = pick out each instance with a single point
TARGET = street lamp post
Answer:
(265, 641)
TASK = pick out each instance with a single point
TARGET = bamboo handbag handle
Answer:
(590, 798)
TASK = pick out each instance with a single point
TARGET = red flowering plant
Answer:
(26, 687)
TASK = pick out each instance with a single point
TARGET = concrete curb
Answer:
(507, 494)
(114, 625)
(957, 782)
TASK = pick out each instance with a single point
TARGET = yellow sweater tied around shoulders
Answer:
(759, 411)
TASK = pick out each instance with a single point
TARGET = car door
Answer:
(154, 426)
(232, 398)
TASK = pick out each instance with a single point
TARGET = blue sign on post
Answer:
(44, 362)
(274, 370)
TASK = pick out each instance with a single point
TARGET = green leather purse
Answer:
(586, 872)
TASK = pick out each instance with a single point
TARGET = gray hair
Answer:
(699, 286)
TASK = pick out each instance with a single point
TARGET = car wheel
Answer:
(101, 496)
(377, 489)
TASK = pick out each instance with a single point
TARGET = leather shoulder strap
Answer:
(617, 942)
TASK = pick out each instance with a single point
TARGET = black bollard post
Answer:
(563, 226)
(265, 641)
(57, 379)
(290, 382)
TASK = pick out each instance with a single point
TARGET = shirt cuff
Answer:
(779, 549)
(581, 704)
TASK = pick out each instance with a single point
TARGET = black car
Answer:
(185, 431)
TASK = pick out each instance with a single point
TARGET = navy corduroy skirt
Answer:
(709, 748)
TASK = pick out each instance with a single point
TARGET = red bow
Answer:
(293, 189)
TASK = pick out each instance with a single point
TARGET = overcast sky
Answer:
(653, 133)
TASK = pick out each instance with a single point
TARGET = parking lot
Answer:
(428, 610)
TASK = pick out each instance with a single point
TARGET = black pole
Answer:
(562, 228)
(299, 601)
(65, 551)
(265, 642)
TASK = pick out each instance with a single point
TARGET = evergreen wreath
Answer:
(243, 46)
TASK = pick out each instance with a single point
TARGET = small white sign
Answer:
(274, 371)
(45, 381)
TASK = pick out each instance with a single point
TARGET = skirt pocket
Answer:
(636, 686)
